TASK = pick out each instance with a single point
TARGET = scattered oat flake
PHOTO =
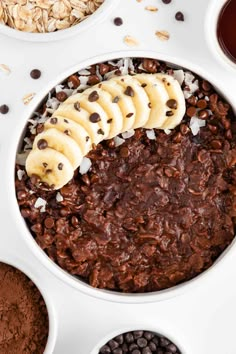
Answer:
(27, 98)
(151, 8)
(5, 69)
(163, 35)
(131, 41)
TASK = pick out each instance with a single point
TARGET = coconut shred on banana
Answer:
(102, 112)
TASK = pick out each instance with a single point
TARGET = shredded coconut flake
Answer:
(128, 134)
(59, 197)
(118, 141)
(196, 124)
(179, 76)
(20, 174)
(167, 131)
(85, 165)
(151, 134)
(84, 72)
(40, 204)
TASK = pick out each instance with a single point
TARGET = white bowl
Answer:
(102, 12)
(7, 180)
(157, 329)
(52, 333)
(211, 21)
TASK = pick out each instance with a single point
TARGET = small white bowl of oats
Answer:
(50, 20)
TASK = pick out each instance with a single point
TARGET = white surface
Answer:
(202, 320)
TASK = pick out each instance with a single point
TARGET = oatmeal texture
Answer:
(23, 314)
(45, 15)
(155, 208)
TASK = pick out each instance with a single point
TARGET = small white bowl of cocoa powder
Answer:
(50, 20)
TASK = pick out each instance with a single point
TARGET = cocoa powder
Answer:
(23, 314)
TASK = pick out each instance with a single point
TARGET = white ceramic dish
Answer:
(101, 13)
(13, 206)
(141, 326)
(52, 335)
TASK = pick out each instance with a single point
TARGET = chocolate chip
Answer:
(61, 96)
(4, 109)
(216, 144)
(109, 120)
(93, 80)
(93, 96)
(202, 104)
(53, 121)
(192, 100)
(137, 334)
(166, 1)
(103, 68)
(116, 99)
(129, 115)
(77, 106)
(142, 342)
(35, 74)
(94, 117)
(148, 335)
(60, 166)
(74, 81)
(118, 21)
(149, 105)
(66, 121)
(203, 114)
(49, 223)
(129, 91)
(100, 131)
(147, 350)
(113, 344)
(105, 350)
(129, 337)
(42, 144)
(144, 85)
(169, 113)
(191, 111)
(150, 65)
(124, 152)
(206, 85)
(179, 16)
(172, 104)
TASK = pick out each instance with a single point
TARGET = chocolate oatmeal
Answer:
(150, 209)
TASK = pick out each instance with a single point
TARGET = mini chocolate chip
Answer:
(4, 109)
(60, 166)
(74, 81)
(94, 117)
(100, 131)
(142, 342)
(179, 16)
(53, 121)
(169, 113)
(35, 74)
(109, 120)
(129, 91)
(166, 1)
(116, 99)
(42, 144)
(129, 115)
(49, 223)
(87, 138)
(93, 80)
(67, 132)
(66, 121)
(143, 85)
(48, 171)
(61, 96)
(118, 21)
(94, 96)
(77, 106)
(149, 105)
(172, 104)
(45, 164)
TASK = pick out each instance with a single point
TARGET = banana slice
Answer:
(125, 104)
(140, 99)
(113, 111)
(60, 142)
(177, 105)
(158, 97)
(82, 117)
(51, 166)
(75, 130)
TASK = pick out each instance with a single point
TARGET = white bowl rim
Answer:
(52, 333)
(102, 12)
(211, 21)
(157, 329)
(11, 149)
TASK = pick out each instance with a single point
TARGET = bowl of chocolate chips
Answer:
(125, 177)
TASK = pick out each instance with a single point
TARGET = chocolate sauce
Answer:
(226, 31)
